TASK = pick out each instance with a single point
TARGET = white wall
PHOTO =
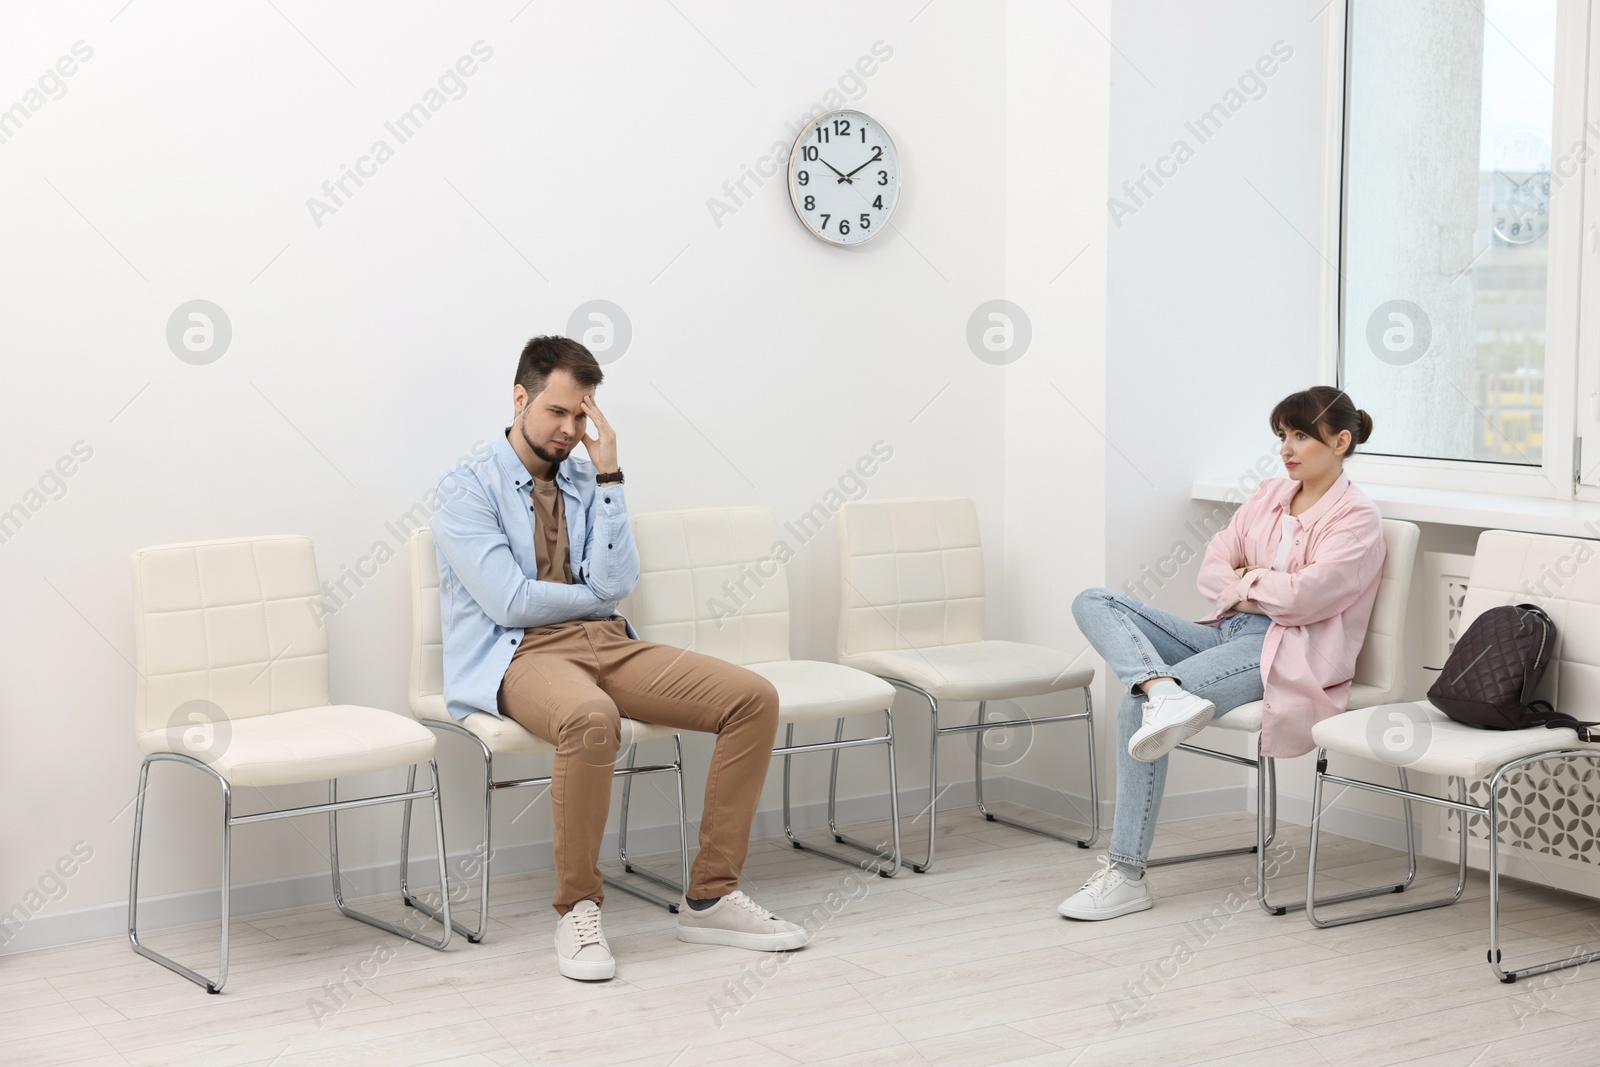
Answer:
(1213, 308)
(370, 351)
(1057, 109)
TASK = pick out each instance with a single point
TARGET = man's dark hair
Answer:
(544, 355)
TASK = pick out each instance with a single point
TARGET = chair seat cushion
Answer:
(1246, 718)
(809, 690)
(504, 735)
(1419, 737)
(305, 745)
(978, 670)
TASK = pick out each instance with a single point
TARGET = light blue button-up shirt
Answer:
(484, 533)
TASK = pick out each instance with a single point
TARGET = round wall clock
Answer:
(1519, 204)
(844, 177)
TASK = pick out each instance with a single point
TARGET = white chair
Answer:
(233, 681)
(1379, 679)
(493, 736)
(710, 581)
(911, 612)
(1560, 575)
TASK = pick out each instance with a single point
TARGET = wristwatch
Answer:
(614, 478)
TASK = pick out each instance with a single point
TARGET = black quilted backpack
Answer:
(1495, 667)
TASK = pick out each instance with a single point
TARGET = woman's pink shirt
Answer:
(1319, 603)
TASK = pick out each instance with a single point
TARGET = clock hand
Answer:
(876, 156)
(830, 166)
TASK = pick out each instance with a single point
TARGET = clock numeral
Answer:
(811, 203)
(877, 154)
(822, 135)
(883, 177)
(803, 178)
(841, 127)
(878, 203)
(825, 219)
(863, 135)
(844, 226)
(866, 223)
(809, 153)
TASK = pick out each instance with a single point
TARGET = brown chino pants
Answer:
(570, 684)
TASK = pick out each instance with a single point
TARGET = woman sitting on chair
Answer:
(1292, 580)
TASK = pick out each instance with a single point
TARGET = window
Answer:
(1459, 250)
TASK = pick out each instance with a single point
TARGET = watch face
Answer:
(844, 177)
(1520, 199)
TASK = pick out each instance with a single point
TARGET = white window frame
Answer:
(1568, 289)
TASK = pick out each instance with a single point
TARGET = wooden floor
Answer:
(966, 965)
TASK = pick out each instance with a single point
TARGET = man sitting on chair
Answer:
(534, 554)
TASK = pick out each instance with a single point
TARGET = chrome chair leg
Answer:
(893, 844)
(485, 850)
(933, 785)
(980, 727)
(932, 810)
(1267, 831)
(1266, 779)
(1259, 844)
(1094, 776)
(833, 784)
(230, 820)
(1406, 796)
(627, 774)
(887, 853)
(683, 813)
(1266, 768)
(1492, 811)
(1272, 794)
(209, 985)
(622, 815)
(447, 927)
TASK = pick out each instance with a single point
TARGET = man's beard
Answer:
(544, 453)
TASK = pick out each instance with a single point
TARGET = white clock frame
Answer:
(796, 192)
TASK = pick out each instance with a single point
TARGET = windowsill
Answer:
(1454, 507)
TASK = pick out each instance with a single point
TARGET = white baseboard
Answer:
(254, 898)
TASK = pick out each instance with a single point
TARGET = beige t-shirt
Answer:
(550, 533)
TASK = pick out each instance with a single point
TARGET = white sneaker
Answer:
(582, 951)
(1169, 721)
(739, 922)
(1107, 894)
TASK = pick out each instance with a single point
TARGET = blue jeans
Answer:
(1220, 663)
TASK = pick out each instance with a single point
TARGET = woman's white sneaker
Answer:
(582, 951)
(1107, 894)
(1169, 721)
(739, 922)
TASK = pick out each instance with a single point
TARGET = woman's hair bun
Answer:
(1322, 412)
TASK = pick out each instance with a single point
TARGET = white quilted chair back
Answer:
(235, 622)
(911, 574)
(427, 634)
(1562, 576)
(712, 580)
(1380, 669)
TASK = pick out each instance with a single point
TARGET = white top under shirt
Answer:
(1285, 539)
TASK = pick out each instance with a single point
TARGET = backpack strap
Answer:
(1540, 713)
(1540, 657)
